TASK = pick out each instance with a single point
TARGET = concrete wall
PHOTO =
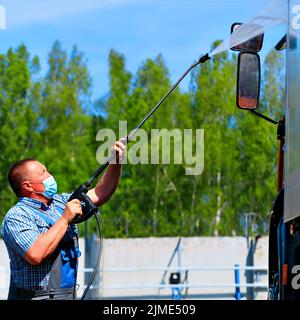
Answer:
(149, 253)
(4, 270)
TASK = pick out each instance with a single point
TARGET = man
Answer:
(41, 240)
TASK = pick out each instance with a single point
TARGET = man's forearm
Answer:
(46, 243)
(107, 185)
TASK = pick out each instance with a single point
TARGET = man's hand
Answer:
(110, 180)
(118, 151)
(72, 209)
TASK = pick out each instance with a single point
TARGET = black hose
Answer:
(98, 258)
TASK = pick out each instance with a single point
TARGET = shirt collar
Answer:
(35, 203)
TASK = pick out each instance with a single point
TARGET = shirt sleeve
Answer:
(20, 233)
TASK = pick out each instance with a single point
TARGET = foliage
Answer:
(52, 118)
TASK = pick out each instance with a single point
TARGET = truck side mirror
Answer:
(254, 44)
(248, 80)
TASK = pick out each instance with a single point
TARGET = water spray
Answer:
(273, 13)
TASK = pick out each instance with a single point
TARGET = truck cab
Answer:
(284, 226)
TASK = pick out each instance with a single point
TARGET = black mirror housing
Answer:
(252, 45)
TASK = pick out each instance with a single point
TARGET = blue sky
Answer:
(181, 30)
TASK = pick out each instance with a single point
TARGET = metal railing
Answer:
(236, 285)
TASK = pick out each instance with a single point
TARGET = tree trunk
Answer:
(218, 215)
(154, 215)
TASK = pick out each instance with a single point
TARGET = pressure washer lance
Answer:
(88, 208)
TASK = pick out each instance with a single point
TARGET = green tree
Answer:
(64, 139)
(52, 118)
(18, 120)
(214, 110)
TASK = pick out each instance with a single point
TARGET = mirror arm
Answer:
(264, 117)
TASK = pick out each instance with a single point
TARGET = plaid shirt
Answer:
(20, 229)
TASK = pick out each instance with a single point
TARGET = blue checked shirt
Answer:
(20, 229)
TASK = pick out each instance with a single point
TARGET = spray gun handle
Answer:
(87, 206)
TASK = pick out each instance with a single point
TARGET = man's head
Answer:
(26, 178)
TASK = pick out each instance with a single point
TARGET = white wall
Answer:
(197, 252)
(141, 253)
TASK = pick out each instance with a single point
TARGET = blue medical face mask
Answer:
(50, 188)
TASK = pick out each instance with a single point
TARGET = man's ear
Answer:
(26, 186)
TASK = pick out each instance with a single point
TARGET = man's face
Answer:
(35, 173)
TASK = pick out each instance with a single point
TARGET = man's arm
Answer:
(110, 180)
(47, 242)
